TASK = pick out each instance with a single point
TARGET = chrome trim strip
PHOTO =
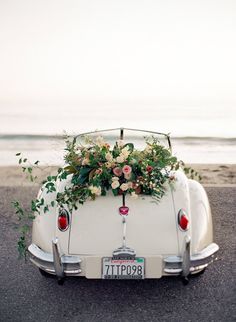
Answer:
(173, 270)
(124, 231)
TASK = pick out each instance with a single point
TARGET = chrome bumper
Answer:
(188, 264)
(64, 265)
(55, 263)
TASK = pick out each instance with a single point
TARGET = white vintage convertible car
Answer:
(114, 237)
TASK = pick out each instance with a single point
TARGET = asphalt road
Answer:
(25, 295)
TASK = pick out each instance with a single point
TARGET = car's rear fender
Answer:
(190, 195)
(202, 230)
(45, 227)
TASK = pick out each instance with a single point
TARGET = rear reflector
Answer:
(63, 220)
(183, 220)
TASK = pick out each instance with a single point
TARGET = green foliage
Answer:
(23, 227)
(94, 169)
(191, 173)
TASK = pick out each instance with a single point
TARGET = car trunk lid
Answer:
(96, 227)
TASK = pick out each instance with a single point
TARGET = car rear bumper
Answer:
(54, 263)
(90, 266)
(190, 264)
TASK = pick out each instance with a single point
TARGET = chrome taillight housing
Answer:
(183, 220)
(63, 219)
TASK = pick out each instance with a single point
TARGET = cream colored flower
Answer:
(115, 179)
(115, 184)
(134, 195)
(95, 190)
(124, 187)
(125, 152)
(109, 165)
(85, 161)
(127, 176)
(100, 141)
(120, 159)
(120, 143)
(109, 157)
(148, 149)
(130, 184)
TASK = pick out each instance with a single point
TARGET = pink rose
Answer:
(127, 169)
(149, 168)
(117, 171)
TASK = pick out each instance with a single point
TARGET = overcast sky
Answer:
(67, 51)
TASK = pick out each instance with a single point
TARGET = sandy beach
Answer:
(212, 174)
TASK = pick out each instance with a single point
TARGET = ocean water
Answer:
(199, 135)
(50, 149)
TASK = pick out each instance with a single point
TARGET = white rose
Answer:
(134, 195)
(130, 184)
(95, 190)
(120, 159)
(115, 184)
(124, 187)
(109, 157)
(125, 152)
(114, 178)
(100, 141)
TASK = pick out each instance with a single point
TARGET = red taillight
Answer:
(63, 220)
(183, 220)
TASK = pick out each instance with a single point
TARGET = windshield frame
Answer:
(122, 131)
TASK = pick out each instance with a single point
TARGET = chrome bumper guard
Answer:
(64, 265)
(187, 264)
(56, 264)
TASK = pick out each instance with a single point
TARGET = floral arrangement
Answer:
(95, 168)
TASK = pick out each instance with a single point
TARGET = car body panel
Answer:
(97, 226)
(202, 234)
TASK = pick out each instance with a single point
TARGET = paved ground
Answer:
(27, 296)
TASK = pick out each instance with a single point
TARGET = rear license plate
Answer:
(123, 268)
